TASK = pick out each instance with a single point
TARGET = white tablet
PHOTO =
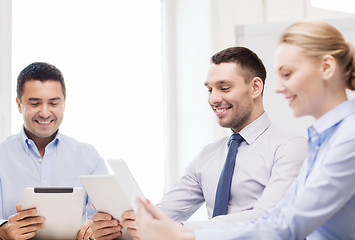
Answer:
(113, 194)
(61, 207)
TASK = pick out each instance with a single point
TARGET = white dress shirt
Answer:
(320, 204)
(266, 163)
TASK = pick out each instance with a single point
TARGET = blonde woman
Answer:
(314, 65)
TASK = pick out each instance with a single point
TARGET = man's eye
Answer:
(225, 88)
(53, 104)
(34, 104)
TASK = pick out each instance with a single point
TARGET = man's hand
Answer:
(105, 227)
(129, 221)
(23, 225)
(86, 231)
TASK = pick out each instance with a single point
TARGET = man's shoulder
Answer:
(283, 134)
(10, 148)
(264, 130)
(10, 140)
(281, 139)
(216, 147)
(209, 152)
(74, 144)
(216, 144)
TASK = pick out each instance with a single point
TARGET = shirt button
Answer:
(40, 160)
(45, 182)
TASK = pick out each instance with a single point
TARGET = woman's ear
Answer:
(328, 66)
(257, 87)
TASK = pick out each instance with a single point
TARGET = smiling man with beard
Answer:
(267, 159)
(40, 155)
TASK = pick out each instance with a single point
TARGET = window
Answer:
(339, 5)
(109, 52)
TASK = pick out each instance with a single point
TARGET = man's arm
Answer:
(185, 198)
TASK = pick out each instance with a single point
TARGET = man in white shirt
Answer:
(266, 163)
(40, 155)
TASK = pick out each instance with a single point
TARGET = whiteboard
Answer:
(262, 39)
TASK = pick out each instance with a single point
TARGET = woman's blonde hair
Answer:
(318, 39)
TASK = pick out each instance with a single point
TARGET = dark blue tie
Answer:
(225, 180)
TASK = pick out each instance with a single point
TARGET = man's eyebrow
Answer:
(221, 82)
(55, 99)
(33, 99)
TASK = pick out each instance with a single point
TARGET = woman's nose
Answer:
(279, 87)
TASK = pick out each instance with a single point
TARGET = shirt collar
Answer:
(26, 142)
(252, 131)
(334, 116)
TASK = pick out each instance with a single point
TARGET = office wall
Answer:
(229, 13)
(5, 68)
(187, 43)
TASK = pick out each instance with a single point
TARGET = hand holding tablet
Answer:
(62, 209)
(113, 194)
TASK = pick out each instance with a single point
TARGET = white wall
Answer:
(188, 30)
(5, 68)
(228, 13)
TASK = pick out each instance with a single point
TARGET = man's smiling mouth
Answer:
(44, 122)
(220, 110)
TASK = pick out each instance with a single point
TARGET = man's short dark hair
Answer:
(39, 71)
(247, 61)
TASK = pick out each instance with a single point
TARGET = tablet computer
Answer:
(62, 209)
(113, 194)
